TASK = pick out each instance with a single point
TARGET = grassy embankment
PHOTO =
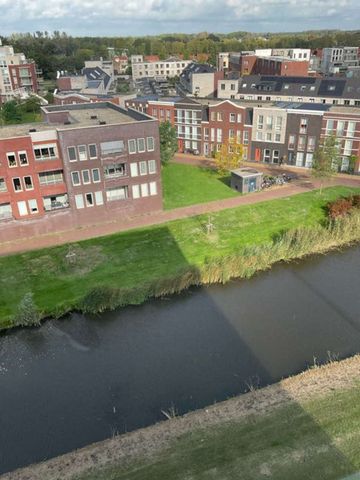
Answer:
(187, 185)
(317, 439)
(129, 267)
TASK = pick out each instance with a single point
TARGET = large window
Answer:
(56, 202)
(23, 160)
(132, 146)
(153, 188)
(301, 143)
(46, 152)
(92, 151)
(116, 193)
(311, 144)
(79, 201)
(85, 177)
(72, 154)
(33, 208)
(5, 211)
(82, 152)
(329, 126)
(232, 117)
(115, 170)
(350, 132)
(51, 178)
(141, 145)
(152, 166)
(303, 126)
(150, 144)
(260, 122)
(75, 177)
(96, 175)
(143, 168)
(340, 128)
(3, 185)
(266, 157)
(134, 169)
(11, 157)
(17, 184)
(144, 190)
(108, 148)
(136, 191)
(28, 183)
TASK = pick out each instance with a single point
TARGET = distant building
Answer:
(171, 67)
(337, 60)
(199, 80)
(18, 76)
(120, 64)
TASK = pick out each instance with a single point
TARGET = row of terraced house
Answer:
(272, 131)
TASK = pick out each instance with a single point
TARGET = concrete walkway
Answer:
(300, 185)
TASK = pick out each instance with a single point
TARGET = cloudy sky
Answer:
(140, 17)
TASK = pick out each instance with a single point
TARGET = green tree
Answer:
(168, 142)
(326, 160)
(27, 313)
(10, 112)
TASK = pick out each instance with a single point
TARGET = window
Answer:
(278, 123)
(5, 211)
(329, 126)
(301, 143)
(116, 193)
(99, 198)
(23, 159)
(300, 159)
(92, 151)
(144, 190)
(33, 208)
(266, 157)
(239, 118)
(17, 184)
(348, 145)
(277, 137)
(275, 156)
(219, 135)
(259, 135)
(134, 169)
(222, 86)
(75, 177)
(51, 178)
(108, 148)
(213, 116)
(292, 140)
(340, 128)
(89, 199)
(150, 144)
(269, 122)
(79, 201)
(311, 144)
(95, 175)
(350, 132)
(231, 133)
(303, 126)
(141, 145)
(268, 137)
(3, 185)
(245, 137)
(232, 117)
(22, 207)
(85, 177)
(152, 166)
(47, 152)
(136, 191)
(11, 159)
(153, 188)
(82, 152)
(143, 168)
(28, 183)
(219, 116)
(72, 154)
(115, 170)
(132, 146)
(260, 122)
(309, 160)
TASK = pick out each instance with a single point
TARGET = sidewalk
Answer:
(300, 185)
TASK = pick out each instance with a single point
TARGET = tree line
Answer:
(56, 50)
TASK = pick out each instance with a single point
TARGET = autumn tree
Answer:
(326, 160)
(229, 157)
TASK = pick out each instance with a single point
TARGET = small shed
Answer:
(246, 180)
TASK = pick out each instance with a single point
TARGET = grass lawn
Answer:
(132, 258)
(26, 117)
(319, 439)
(187, 185)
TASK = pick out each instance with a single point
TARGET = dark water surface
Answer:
(75, 381)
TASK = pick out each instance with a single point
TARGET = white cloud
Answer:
(178, 15)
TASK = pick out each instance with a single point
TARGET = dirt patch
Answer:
(146, 442)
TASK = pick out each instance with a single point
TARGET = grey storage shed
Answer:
(246, 180)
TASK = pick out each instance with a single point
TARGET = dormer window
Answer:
(331, 88)
(286, 86)
(244, 85)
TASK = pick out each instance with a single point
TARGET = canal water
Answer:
(83, 379)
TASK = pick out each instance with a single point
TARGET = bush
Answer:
(27, 313)
(356, 201)
(340, 207)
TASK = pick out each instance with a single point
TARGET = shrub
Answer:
(356, 201)
(340, 207)
(27, 313)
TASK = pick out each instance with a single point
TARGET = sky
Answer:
(149, 17)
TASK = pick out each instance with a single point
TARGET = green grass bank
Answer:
(130, 267)
(185, 185)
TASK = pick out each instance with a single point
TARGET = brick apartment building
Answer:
(83, 164)
(271, 132)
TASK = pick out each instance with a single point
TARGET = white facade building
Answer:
(170, 67)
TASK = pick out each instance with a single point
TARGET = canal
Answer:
(82, 379)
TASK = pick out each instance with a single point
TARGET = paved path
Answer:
(302, 184)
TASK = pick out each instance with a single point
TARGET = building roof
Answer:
(246, 172)
(79, 116)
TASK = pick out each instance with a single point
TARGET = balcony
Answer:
(6, 216)
(55, 202)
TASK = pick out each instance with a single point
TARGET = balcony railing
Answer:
(56, 206)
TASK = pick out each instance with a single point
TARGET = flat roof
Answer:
(246, 172)
(79, 116)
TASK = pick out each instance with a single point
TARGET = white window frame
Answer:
(83, 179)
(129, 143)
(92, 175)
(136, 191)
(144, 190)
(151, 166)
(99, 199)
(33, 201)
(21, 185)
(22, 208)
(72, 178)
(92, 199)
(143, 168)
(134, 169)
(152, 189)
(16, 160)
(92, 145)
(82, 152)
(138, 145)
(32, 183)
(23, 152)
(76, 154)
(147, 144)
(79, 201)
